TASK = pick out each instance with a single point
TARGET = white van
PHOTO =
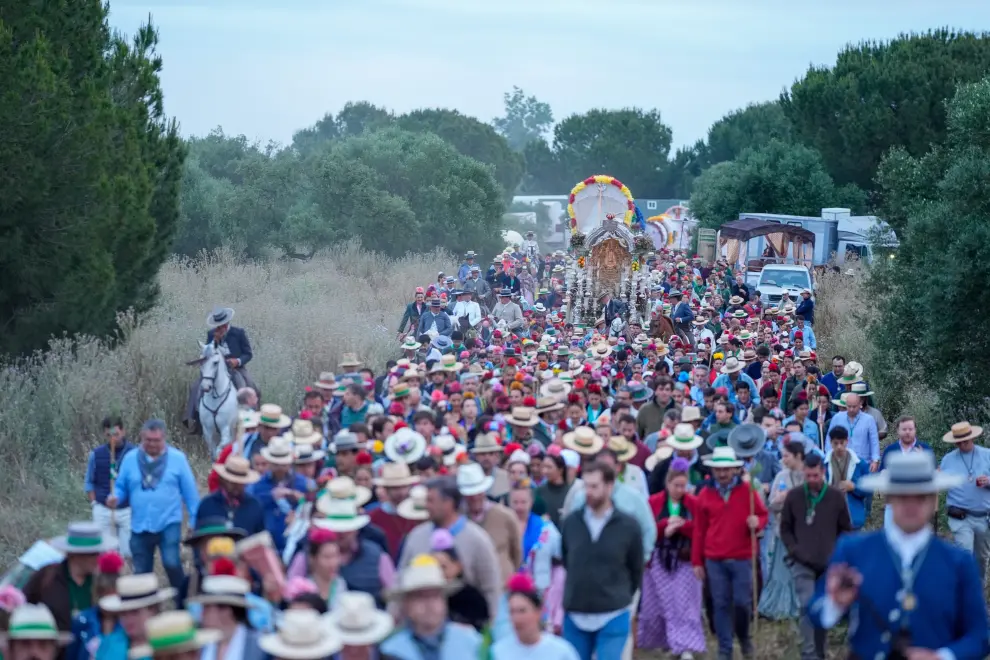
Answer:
(777, 278)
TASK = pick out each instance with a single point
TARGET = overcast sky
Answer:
(266, 68)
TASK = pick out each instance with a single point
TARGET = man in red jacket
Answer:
(729, 514)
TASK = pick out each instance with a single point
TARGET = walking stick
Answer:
(754, 547)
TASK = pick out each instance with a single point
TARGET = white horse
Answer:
(217, 398)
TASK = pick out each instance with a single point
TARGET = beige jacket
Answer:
(511, 313)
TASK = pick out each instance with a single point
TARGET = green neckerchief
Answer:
(80, 595)
(813, 500)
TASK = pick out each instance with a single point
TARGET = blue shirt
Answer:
(809, 336)
(831, 382)
(274, 514)
(154, 509)
(968, 496)
(864, 439)
(723, 381)
(810, 429)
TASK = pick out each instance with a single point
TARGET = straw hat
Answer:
(405, 446)
(302, 635)
(601, 350)
(344, 488)
(135, 592)
(250, 419)
(962, 431)
(861, 389)
(690, 414)
(662, 453)
(395, 475)
(841, 401)
(723, 457)
(410, 344)
(83, 538)
(555, 388)
(341, 515)
(357, 621)
(303, 433)
(327, 381)
(584, 441)
(414, 506)
(272, 416)
(450, 363)
(170, 633)
(487, 443)
(34, 622)
(472, 480)
(624, 450)
(732, 365)
(350, 361)
(223, 590)
(237, 470)
(852, 373)
(547, 404)
(736, 300)
(449, 448)
(305, 454)
(278, 451)
(913, 473)
(521, 416)
(684, 438)
(422, 574)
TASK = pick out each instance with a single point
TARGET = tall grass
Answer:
(300, 316)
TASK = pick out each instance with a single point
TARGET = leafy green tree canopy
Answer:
(779, 177)
(881, 95)
(89, 196)
(526, 119)
(933, 296)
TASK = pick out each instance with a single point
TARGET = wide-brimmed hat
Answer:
(539, 308)
(547, 404)
(405, 446)
(423, 573)
(913, 473)
(346, 440)
(749, 354)
(851, 374)
(601, 350)
(302, 635)
(208, 527)
(249, 419)
(396, 475)
(555, 388)
(861, 389)
(344, 488)
(732, 365)
(722, 457)
(304, 433)
(272, 416)
(962, 431)
(414, 506)
(410, 344)
(662, 453)
(684, 438)
(736, 300)
(83, 538)
(236, 469)
(34, 622)
(841, 401)
(747, 440)
(639, 393)
(327, 381)
(522, 416)
(624, 450)
(486, 443)
(357, 621)
(450, 363)
(690, 414)
(219, 316)
(584, 441)
(449, 448)
(472, 480)
(170, 633)
(223, 590)
(350, 361)
(340, 515)
(135, 592)
(278, 451)
(306, 454)
(505, 292)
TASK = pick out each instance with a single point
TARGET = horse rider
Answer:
(682, 317)
(415, 309)
(530, 248)
(611, 308)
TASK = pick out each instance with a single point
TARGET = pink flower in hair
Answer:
(10, 598)
(441, 539)
(297, 586)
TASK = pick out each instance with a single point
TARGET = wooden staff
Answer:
(754, 547)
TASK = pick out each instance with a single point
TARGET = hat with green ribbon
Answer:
(209, 527)
(34, 622)
(340, 515)
(83, 538)
(171, 633)
(723, 457)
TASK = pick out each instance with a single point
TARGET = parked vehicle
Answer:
(775, 279)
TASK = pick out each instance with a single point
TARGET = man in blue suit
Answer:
(911, 594)
(236, 345)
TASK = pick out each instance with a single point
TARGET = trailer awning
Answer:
(747, 228)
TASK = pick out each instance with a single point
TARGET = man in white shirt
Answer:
(466, 311)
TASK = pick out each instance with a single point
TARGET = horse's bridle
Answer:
(212, 379)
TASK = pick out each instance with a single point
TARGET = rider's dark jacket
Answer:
(237, 343)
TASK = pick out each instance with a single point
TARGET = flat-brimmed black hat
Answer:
(211, 527)
(505, 292)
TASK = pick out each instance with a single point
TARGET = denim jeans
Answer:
(143, 546)
(731, 583)
(604, 644)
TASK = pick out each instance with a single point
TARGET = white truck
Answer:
(775, 279)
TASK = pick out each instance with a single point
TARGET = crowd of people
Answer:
(513, 486)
